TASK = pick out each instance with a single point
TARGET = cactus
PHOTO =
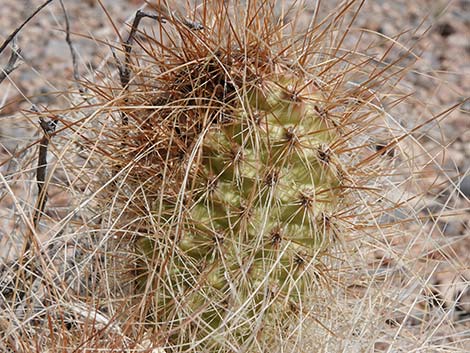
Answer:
(232, 187)
(253, 225)
(248, 150)
(250, 153)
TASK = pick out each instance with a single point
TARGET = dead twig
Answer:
(124, 72)
(176, 17)
(73, 52)
(12, 62)
(48, 128)
(15, 32)
(164, 14)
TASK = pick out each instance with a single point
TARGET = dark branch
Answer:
(125, 72)
(124, 69)
(15, 32)
(11, 65)
(73, 52)
(48, 128)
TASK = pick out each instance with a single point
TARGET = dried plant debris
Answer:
(234, 176)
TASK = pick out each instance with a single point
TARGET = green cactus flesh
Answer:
(263, 185)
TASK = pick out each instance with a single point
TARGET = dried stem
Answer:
(73, 52)
(12, 62)
(19, 28)
(48, 128)
(124, 70)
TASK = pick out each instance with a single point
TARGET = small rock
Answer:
(58, 49)
(464, 185)
(459, 40)
(445, 29)
(452, 228)
(465, 107)
(394, 216)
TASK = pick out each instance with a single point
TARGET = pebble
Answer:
(464, 186)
